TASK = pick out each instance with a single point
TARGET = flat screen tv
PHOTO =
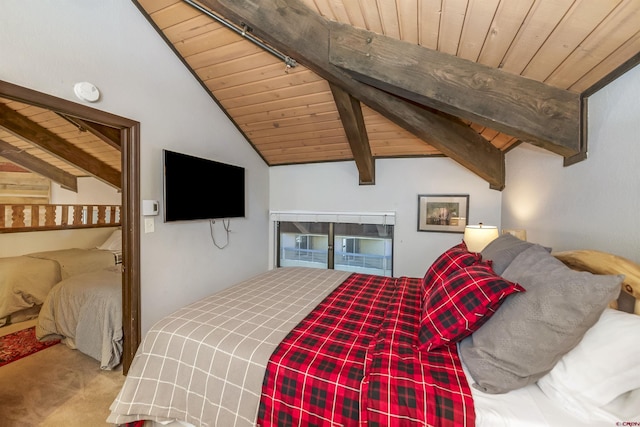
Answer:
(197, 188)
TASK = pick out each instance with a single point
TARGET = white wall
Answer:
(593, 204)
(90, 191)
(14, 244)
(50, 45)
(334, 187)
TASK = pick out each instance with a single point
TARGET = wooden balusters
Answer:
(50, 215)
(35, 215)
(17, 216)
(28, 217)
(64, 220)
(77, 215)
(102, 214)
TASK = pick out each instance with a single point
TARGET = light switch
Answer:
(149, 225)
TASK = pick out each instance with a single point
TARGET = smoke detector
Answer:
(86, 91)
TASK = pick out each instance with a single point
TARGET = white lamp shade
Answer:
(477, 237)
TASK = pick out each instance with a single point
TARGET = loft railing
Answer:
(349, 259)
(39, 217)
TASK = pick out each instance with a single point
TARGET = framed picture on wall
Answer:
(443, 213)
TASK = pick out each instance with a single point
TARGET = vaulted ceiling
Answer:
(311, 81)
(55, 145)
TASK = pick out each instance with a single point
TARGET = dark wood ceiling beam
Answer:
(466, 146)
(524, 108)
(28, 130)
(296, 31)
(34, 164)
(107, 134)
(353, 122)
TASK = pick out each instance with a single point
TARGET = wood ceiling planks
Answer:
(255, 88)
(620, 29)
(81, 139)
(566, 36)
(451, 23)
(478, 19)
(569, 44)
(428, 14)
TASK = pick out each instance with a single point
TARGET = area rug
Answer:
(20, 344)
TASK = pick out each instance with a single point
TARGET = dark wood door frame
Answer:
(130, 213)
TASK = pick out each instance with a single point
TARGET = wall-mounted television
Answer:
(197, 188)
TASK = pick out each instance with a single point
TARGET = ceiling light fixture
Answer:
(244, 32)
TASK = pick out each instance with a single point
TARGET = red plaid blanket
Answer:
(354, 360)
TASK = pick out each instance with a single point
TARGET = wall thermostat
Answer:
(150, 207)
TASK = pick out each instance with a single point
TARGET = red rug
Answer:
(21, 344)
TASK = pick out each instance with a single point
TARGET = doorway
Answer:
(130, 213)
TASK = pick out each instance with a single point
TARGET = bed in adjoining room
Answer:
(40, 250)
(508, 336)
(85, 312)
(26, 280)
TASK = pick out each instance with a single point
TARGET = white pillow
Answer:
(602, 367)
(114, 242)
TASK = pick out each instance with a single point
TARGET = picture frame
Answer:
(443, 213)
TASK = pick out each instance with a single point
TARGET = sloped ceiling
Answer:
(57, 146)
(358, 80)
(468, 79)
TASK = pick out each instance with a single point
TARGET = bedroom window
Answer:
(361, 248)
(303, 244)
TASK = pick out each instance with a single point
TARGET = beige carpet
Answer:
(57, 387)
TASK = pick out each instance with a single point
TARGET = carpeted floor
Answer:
(57, 387)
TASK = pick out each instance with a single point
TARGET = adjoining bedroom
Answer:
(327, 212)
(60, 266)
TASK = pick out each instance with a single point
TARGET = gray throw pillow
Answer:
(503, 250)
(532, 330)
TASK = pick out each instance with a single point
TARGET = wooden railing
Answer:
(20, 218)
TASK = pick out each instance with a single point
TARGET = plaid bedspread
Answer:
(354, 360)
(204, 364)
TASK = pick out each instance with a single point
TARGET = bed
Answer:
(85, 312)
(26, 280)
(299, 346)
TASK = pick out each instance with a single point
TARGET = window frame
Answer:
(331, 236)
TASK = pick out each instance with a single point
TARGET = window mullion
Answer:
(278, 244)
(330, 247)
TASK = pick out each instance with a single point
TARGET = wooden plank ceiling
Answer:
(56, 146)
(368, 79)
(444, 61)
